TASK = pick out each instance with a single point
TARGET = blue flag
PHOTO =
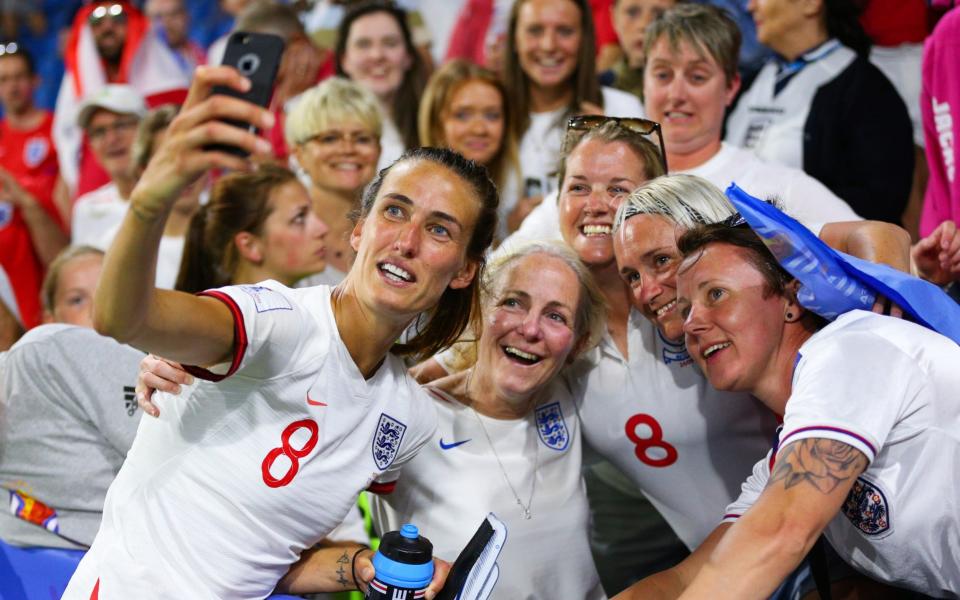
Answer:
(832, 283)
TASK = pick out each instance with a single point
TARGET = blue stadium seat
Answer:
(35, 573)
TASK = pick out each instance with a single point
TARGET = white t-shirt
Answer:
(97, 216)
(803, 197)
(542, 142)
(888, 388)
(683, 443)
(220, 494)
(449, 488)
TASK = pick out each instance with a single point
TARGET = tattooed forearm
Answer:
(822, 463)
(342, 561)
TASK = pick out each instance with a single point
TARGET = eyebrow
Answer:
(525, 295)
(438, 214)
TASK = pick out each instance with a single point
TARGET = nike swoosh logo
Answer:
(313, 402)
(451, 445)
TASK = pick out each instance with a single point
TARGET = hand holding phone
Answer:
(257, 57)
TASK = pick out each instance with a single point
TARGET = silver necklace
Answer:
(525, 508)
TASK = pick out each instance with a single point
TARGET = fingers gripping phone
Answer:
(257, 57)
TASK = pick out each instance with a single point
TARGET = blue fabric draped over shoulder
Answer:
(832, 283)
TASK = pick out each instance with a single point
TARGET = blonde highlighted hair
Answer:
(333, 101)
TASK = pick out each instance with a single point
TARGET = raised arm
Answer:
(127, 306)
(875, 241)
(807, 487)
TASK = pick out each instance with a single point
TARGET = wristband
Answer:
(353, 566)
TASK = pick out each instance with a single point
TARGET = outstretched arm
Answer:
(807, 487)
(127, 306)
(875, 241)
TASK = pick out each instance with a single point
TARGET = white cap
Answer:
(117, 98)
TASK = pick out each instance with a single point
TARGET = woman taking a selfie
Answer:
(222, 492)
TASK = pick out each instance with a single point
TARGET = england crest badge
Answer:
(35, 151)
(386, 441)
(866, 507)
(551, 427)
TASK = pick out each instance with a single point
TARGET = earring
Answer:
(789, 316)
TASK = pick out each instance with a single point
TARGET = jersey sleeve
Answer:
(423, 427)
(270, 328)
(750, 490)
(850, 388)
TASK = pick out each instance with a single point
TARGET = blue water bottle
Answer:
(403, 565)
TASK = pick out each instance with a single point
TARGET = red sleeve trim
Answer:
(382, 489)
(239, 339)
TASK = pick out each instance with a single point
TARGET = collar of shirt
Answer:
(787, 69)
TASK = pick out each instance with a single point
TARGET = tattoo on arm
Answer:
(824, 464)
(342, 561)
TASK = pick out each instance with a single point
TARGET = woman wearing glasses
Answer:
(550, 74)
(334, 135)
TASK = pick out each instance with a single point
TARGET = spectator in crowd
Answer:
(11, 326)
(232, 8)
(630, 19)
(334, 133)
(70, 415)
(109, 119)
(31, 227)
(256, 226)
(550, 74)
(171, 21)
(869, 410)
(322, 21)
(465, 108)
(110, 43)
(374, 48)
(150, 134)
(823, 107)
(299, 66)
(690, 79)
(940, 105)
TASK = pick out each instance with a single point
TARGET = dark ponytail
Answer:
(843, 23)
(238, 202)
(198, 267)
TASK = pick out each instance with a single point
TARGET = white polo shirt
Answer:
(890, 389)
(220, 494)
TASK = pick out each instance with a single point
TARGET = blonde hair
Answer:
(51, 280)
(590, 318)
(332, 101)
(708, 29)
(687, 200)
(439, 93)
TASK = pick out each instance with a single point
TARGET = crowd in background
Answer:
(845, 111)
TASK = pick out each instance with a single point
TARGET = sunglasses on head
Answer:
(642, 126)
(9, 48)
(107, 11)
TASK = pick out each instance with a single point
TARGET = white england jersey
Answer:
(449, 488)
(890, 389)
(221, 493)
(684, 444)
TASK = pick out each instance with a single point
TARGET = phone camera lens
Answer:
(248, 64)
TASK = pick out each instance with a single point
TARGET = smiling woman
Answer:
(334, 132)
(375, 49)
(509, 435)
(246, 431)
